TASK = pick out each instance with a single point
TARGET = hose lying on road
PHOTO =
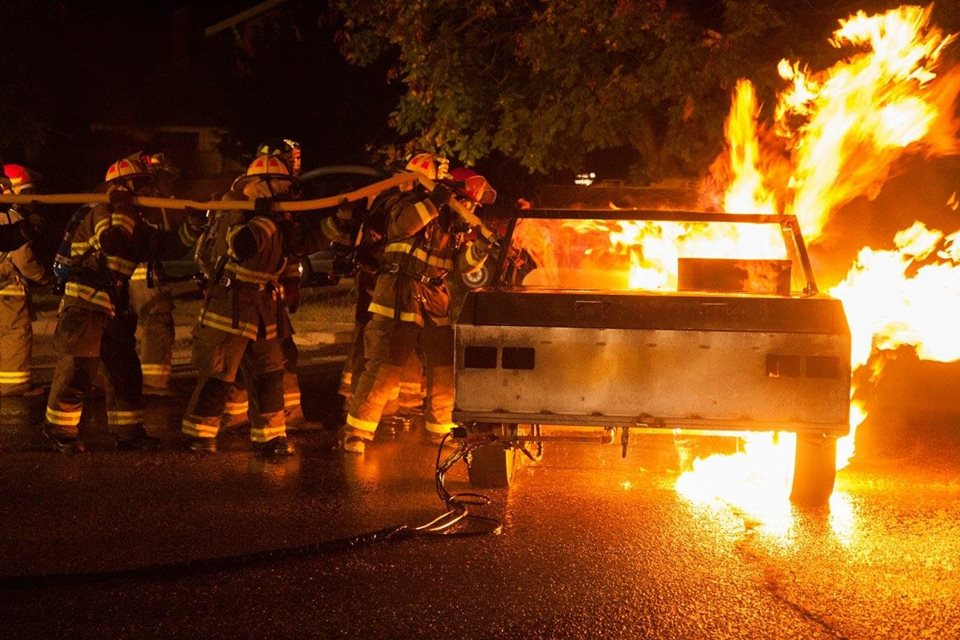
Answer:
(443, 525)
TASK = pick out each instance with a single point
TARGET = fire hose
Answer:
(299, 206)
(443, 525)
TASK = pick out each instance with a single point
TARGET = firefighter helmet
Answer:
(285, 149)
(157, 163)
(20, 177)
(265, 168)
(129, 168)
(475, 186)
(429, 166)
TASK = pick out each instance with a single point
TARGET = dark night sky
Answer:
(147, 63)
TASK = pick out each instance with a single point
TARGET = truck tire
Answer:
(815, 469)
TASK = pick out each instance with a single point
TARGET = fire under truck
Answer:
(566, 344)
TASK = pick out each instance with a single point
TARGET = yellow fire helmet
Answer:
(429, 166)
(126, 169)
(264, 167)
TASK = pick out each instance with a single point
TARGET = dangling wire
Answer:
(458, 504)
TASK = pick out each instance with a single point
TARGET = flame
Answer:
(836, 136)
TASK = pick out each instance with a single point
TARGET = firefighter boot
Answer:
(278, 447)
(60, 442)
(352, 441)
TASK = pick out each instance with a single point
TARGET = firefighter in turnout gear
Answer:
(406, 400)
(411, 302)
(237, 409)
(150, 298)
(95, 323)
(18, 270)
(244, 319)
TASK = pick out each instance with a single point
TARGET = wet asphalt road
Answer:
(593, 546)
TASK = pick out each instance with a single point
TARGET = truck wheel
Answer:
(815, 469)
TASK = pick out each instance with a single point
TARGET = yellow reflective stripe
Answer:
(14, 290)
(361, 425)
(433, 427)
(64, 418)
(199, 429)
(407, 249)
(330, 229)
(118, 264)
(291, 400)
(426, 213)
(394, 393)
(124, 417)
(123, 221)
(89, 294)
(267, 433)
(381, 310)
(222, 323)
(14, 377)
(155, 369)
(187, 235)
(231, 234)
(101, 225)
(78, 248)
(441, 322)
(140, 273)
(236, 408)
(266, 225)
(249, 275)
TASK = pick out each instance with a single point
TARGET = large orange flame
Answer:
(840, 132)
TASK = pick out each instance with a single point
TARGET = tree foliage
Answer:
(546, 82)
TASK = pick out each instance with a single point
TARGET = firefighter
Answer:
(237, 408)
(411, 302)
(18, 270)
(244, 319)
(151, 300)
(406, 400)
(95, 323)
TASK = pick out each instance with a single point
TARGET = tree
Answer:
(548, 82)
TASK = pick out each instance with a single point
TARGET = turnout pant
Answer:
(154, 309)
(218, 357)
(16, 344)
(388, 345)
(83, 339)
(237, 409)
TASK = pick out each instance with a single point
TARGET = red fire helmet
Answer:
(474, 185)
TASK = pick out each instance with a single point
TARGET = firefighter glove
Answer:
(263, 206)
(441, 195)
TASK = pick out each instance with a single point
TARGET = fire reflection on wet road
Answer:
(593, 545)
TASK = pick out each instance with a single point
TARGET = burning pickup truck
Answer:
(607, 322)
